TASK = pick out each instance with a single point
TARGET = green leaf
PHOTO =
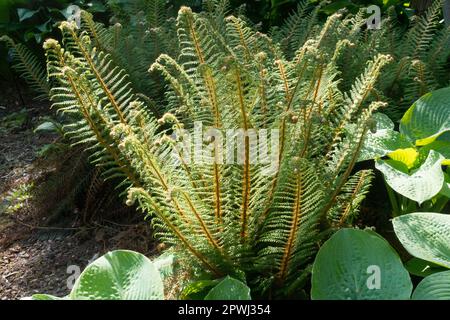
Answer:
(428, 117)
(443, 147)
(70, 12)
(434, 287)
(38, 37)
(422, 185)
(4, 12)
(397, 165)
(446, 187)
(425, 236)
(229, 289)
(45, 27)
(336, 5)
(359, 265)
(422, 268)
(198, 290)
(47, 126)
(388, 3)
(165, 264)
(24, 13)
(383, 140)
(96, 6)
(119, 275)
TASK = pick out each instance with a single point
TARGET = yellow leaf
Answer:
(407, 156)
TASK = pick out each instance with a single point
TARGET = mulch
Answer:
(36, 257)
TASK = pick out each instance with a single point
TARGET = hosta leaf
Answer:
(119, 275)
(428, 117)
(422, 268)
(443, 147)
(446, 187)
(425, 235)
(359, 265)
(165, 264)
(421, 185)
(229, 289)
(383, 140)
(440, 145)
(336, 5)
(434, 287)
(197, 290)
(407, 156)
(24, 13)
(47, 126)
(400, 166)
(41, 296)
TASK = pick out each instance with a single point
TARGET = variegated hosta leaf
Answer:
(382, 139)
(428, 117)
(359, 265)
(434, 287)
(119, 275)
(441, 145)
(446, 187)
(425, 235)
(422, 184)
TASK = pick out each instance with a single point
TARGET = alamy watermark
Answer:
(75, 272)
(374, 280)
(374, 21)
(230, 146)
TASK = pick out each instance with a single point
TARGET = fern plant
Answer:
(28, 66)
(260, 222)
(420, 52)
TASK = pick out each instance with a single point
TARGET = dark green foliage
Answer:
(28, 65)
(420, 51)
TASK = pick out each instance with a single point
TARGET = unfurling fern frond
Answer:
(99, 34)
(28, 66)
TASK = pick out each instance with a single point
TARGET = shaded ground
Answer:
(46, 261)
(38, 256)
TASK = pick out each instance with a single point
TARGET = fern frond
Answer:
(290, 231)
(348, 202)
(420, 36)
(28, 66)
(298, 27)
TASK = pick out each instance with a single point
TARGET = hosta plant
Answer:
(413, 160)
(118, 275)
(426, 237)
(128, 275)
(359, 265)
